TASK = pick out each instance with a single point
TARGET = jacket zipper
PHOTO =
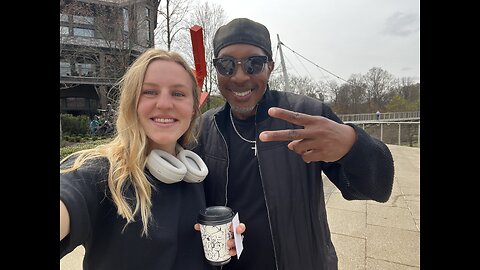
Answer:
(261, 181)
(228, 158)
(265, 196)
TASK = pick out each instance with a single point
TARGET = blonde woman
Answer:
(116, 199)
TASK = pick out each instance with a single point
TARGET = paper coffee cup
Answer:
(215, 222)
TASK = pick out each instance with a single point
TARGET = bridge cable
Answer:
(338, 77)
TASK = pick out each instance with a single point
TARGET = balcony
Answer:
(86, 79)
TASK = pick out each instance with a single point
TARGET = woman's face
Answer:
(165, 107)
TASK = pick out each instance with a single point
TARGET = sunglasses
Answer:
(251, 65)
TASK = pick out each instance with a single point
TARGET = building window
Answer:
(149, 33)
(85, 69)
(83, 19)
(64, 69)
(82, 32)
(63, 30)
(125, 19)
(147, 12)
(63, 17)
(75, 103)
(93, 103)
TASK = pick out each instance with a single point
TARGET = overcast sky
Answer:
(344, 37)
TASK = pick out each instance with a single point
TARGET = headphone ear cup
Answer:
(196, 168)
(165, 167)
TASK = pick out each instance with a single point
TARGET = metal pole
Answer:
(399, 133)
(381, 132)
(282, 61)
(60, 128)
(418, 135)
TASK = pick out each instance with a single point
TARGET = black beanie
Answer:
(242, 30)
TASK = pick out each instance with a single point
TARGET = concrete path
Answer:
(367, 235)
(380, 236)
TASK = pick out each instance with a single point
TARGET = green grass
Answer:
(67, 150)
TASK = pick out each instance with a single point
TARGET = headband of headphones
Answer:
(187, 166)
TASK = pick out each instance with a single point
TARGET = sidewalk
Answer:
(380, 236)
(367, 235)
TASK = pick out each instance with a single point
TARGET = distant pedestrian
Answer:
(378, 115)
(94, 125)
(110, 114)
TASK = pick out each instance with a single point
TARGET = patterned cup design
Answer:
(215, 223)
(214, 240)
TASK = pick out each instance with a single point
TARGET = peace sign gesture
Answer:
(321, 139)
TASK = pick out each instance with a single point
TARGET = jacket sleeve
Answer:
(366, 171)
(79, 192)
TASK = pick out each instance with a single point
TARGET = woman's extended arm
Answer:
(64, 221)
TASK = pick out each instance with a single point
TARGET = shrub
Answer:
(74, 125)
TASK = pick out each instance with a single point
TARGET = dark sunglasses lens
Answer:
(254, 65)
(225, 66)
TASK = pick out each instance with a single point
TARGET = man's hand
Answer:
(321, 139)
(231, 242)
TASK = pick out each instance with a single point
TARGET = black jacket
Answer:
(172, 242)
(293, 189)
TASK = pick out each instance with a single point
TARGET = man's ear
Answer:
(270, 66)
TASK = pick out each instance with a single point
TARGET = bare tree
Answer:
(342, 100)
(298, 84)
(210, 17)
(172, 20)
(378, 84)
(357, 94)
(155, 4)
(405, 96)
(306, 86)
(276, 81)
(408, 89)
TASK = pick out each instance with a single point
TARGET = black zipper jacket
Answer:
(293, 189)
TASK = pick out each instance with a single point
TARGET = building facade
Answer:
(99, 39)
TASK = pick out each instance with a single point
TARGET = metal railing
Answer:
(389, 116)
(399, 133)
(401, 128)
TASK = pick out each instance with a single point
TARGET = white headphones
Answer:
(187, 166)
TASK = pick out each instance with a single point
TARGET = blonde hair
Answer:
(128, 150)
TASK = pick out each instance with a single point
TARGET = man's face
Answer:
(243, 90)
